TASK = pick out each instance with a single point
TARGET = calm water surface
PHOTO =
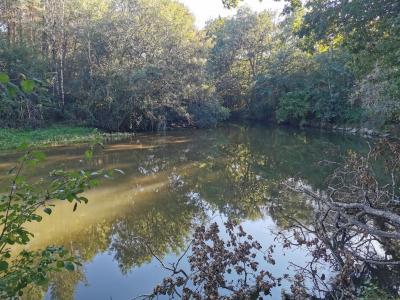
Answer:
(172, 182)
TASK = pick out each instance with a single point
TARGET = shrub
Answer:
(293, 107)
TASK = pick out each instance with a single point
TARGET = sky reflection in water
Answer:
(173, 181)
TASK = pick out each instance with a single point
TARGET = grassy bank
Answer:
(51, 136)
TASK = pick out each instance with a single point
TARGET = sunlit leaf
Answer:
(27, 86)
(4, 78)
(89, 154)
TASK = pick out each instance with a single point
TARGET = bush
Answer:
(294, 107)
(23, 102)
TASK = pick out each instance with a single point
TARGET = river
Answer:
(172, 182)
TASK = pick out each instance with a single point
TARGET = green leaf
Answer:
(4, 78)
(42, 280)
(89, 154)
(69, 266)
(27, 86)
(12, 90)
(84, 199)
(60, 264)
(11, 170)
(23, 146)
(40, 156)
(3, 265)
(48, 210)
(37, 218)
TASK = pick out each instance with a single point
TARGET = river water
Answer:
(172, 182)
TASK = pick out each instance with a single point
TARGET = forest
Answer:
(143, 156)
(143, 65)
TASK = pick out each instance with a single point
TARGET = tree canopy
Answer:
(143, 65)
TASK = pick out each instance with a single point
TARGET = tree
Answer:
(242, 47)
(148, 76)
(367, 30)
(290, 6)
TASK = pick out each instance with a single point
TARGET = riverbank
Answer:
(61, 135)
(362, 130)
(358, 130)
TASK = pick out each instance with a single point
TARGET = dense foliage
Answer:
(330, 62)
(117, 65)
(143, 65)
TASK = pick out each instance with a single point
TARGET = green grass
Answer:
(51, 136)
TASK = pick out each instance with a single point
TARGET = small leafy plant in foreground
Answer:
(24, 203)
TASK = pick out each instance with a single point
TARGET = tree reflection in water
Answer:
(186, 178)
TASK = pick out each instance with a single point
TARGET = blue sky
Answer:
(205, 10)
